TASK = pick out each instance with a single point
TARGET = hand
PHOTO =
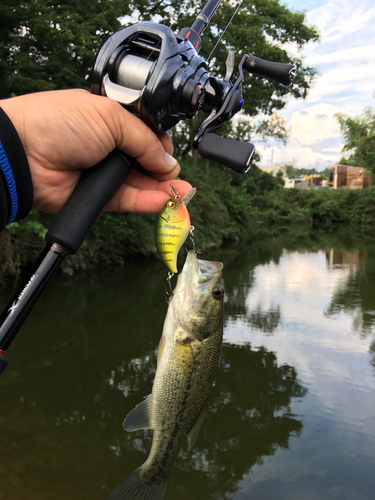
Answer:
(65, 131)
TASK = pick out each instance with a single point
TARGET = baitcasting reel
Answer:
(160, 77)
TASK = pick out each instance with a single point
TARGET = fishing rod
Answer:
(159, 76)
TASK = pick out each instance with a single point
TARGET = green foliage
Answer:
(292, 171)
(325, 174)
(46, 45)
(359, 136)
(348, 161)
(260, 27)
(227, 207)
(20, 244)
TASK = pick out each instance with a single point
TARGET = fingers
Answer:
(166, 141)
(143, 194)
(133, 136)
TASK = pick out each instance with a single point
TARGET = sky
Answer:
(345, 59)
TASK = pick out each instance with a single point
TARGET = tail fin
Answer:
(134, 487)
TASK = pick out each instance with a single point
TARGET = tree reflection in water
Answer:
(87, 356)
(248, 418)
(356, 296)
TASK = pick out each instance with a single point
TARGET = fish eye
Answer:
(217, 292)
(171, 204)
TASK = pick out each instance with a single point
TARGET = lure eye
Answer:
(218, 292)
(171, 204)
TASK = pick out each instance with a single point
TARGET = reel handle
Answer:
(92, 193)
(280, 72)
(233, 154)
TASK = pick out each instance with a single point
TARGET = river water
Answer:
(292, 411)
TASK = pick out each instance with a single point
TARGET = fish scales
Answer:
(188, 357)
(181, 400)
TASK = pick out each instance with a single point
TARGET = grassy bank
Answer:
(316, 206)
(226, 207)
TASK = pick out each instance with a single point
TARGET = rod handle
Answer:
(92, 193)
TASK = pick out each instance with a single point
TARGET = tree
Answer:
(359, 136)
(325, 174)
(46, 45)
(260, 27)
(292, 171)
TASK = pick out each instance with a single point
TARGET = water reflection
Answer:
(265, 320)
(241, 426)
(355, 295)
(338, 259)
(244, 425)
(67, 390)
(294, 382)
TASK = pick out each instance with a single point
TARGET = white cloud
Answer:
(315, 124)
(315, 139)
(345, 59)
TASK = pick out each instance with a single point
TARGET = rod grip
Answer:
(283, 73)
(92, 193)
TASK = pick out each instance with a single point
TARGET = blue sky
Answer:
(345, 59)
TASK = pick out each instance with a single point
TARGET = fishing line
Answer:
(225, 29)
(170, 27)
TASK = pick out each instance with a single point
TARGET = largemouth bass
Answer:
(172, 229)
(188, 357)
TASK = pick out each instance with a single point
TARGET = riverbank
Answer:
(228, 208)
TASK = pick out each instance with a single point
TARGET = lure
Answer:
(172, 228)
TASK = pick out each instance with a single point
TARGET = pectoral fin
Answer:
(194, 431)
(139, 417)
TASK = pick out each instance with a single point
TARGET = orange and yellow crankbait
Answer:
(172, 228)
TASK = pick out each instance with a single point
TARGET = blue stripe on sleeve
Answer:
(11, 184)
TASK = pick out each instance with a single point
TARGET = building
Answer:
(297, 183)
(348, 177)
(315, 180)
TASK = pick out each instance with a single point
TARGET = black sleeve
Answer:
(16, 189)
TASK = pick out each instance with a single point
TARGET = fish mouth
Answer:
(208, 270)
(194, 291)
(201, 270)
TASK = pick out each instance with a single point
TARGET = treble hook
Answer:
(169, 293)
(191, 233)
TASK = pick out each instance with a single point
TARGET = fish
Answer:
(188, 358)
(172, 229)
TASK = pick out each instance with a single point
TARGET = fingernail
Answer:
(170, 161)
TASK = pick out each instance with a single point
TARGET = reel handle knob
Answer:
(233, 154)
(280, 72)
